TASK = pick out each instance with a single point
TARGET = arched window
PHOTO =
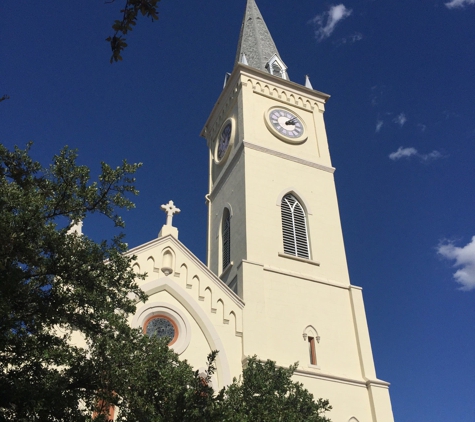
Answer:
(226, 238)
(294, 227)
(311, 336)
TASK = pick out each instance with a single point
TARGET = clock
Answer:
(286, 125)
(225, 139)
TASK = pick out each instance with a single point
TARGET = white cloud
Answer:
(379, 125)
(355, 37)
(434, 155)
(421, 127)
(401, 119)
(465, 259)
(410, 152)
(458, 3)
(403, 153)
(350, 39)
(325, 22)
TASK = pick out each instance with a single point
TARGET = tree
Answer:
(266, 392)
(67, 352)
(54, 284)
(130, 12)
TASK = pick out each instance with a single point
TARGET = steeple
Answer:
(256, 47)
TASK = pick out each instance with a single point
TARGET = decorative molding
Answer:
(227, 269)
(225, 102)
(286, 86)
(365, 383)
(313, 164)
(299, 275)
(284, 98)
(297, 258)
(305, 277)
(189, 256)
(230, 208)
(245, 261)
(342, 380)
(241, 76)
(313, 366)
(221, 161)
(301, 198)
(151, 309)
(207, 327)
(310, 330)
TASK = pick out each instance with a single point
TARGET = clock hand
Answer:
(291, 121)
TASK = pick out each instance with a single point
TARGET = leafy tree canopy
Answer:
(67, 352)
(132, 9)
(267, 393)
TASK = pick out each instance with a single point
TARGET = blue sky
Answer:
(400, 123)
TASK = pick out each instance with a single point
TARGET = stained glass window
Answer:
(161, 327)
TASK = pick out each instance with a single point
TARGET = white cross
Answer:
(170, 209)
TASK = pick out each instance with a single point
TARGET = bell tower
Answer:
(267, 139)
(274, 231)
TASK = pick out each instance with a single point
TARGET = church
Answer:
(276, 281)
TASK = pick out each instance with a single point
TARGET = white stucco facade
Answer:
(252, 297)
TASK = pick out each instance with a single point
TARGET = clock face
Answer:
(224, 140)
(286, 123)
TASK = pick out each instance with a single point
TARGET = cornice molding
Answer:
(335, 378)
(240, 77)
(279, 154)
(366, 383)
(297, 258)
(285, 84)
(188, 254)
(227, 98)
(306, 277)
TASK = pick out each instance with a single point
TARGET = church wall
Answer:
(229, 193)
(316, 190)
(260, 95)
(198, 347)
(347, 399)
(213, 315)
(381, 401)
(230, 109)
(278, 309)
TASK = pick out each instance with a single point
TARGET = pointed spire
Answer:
(255, 41)
(308, 84)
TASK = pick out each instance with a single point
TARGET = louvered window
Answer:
(226, 237)
(276, 70)
(294, 227)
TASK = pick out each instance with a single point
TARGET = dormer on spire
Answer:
(275, 66)
(256, 44)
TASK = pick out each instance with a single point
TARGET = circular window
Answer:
(161, 326)
(164, 320)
